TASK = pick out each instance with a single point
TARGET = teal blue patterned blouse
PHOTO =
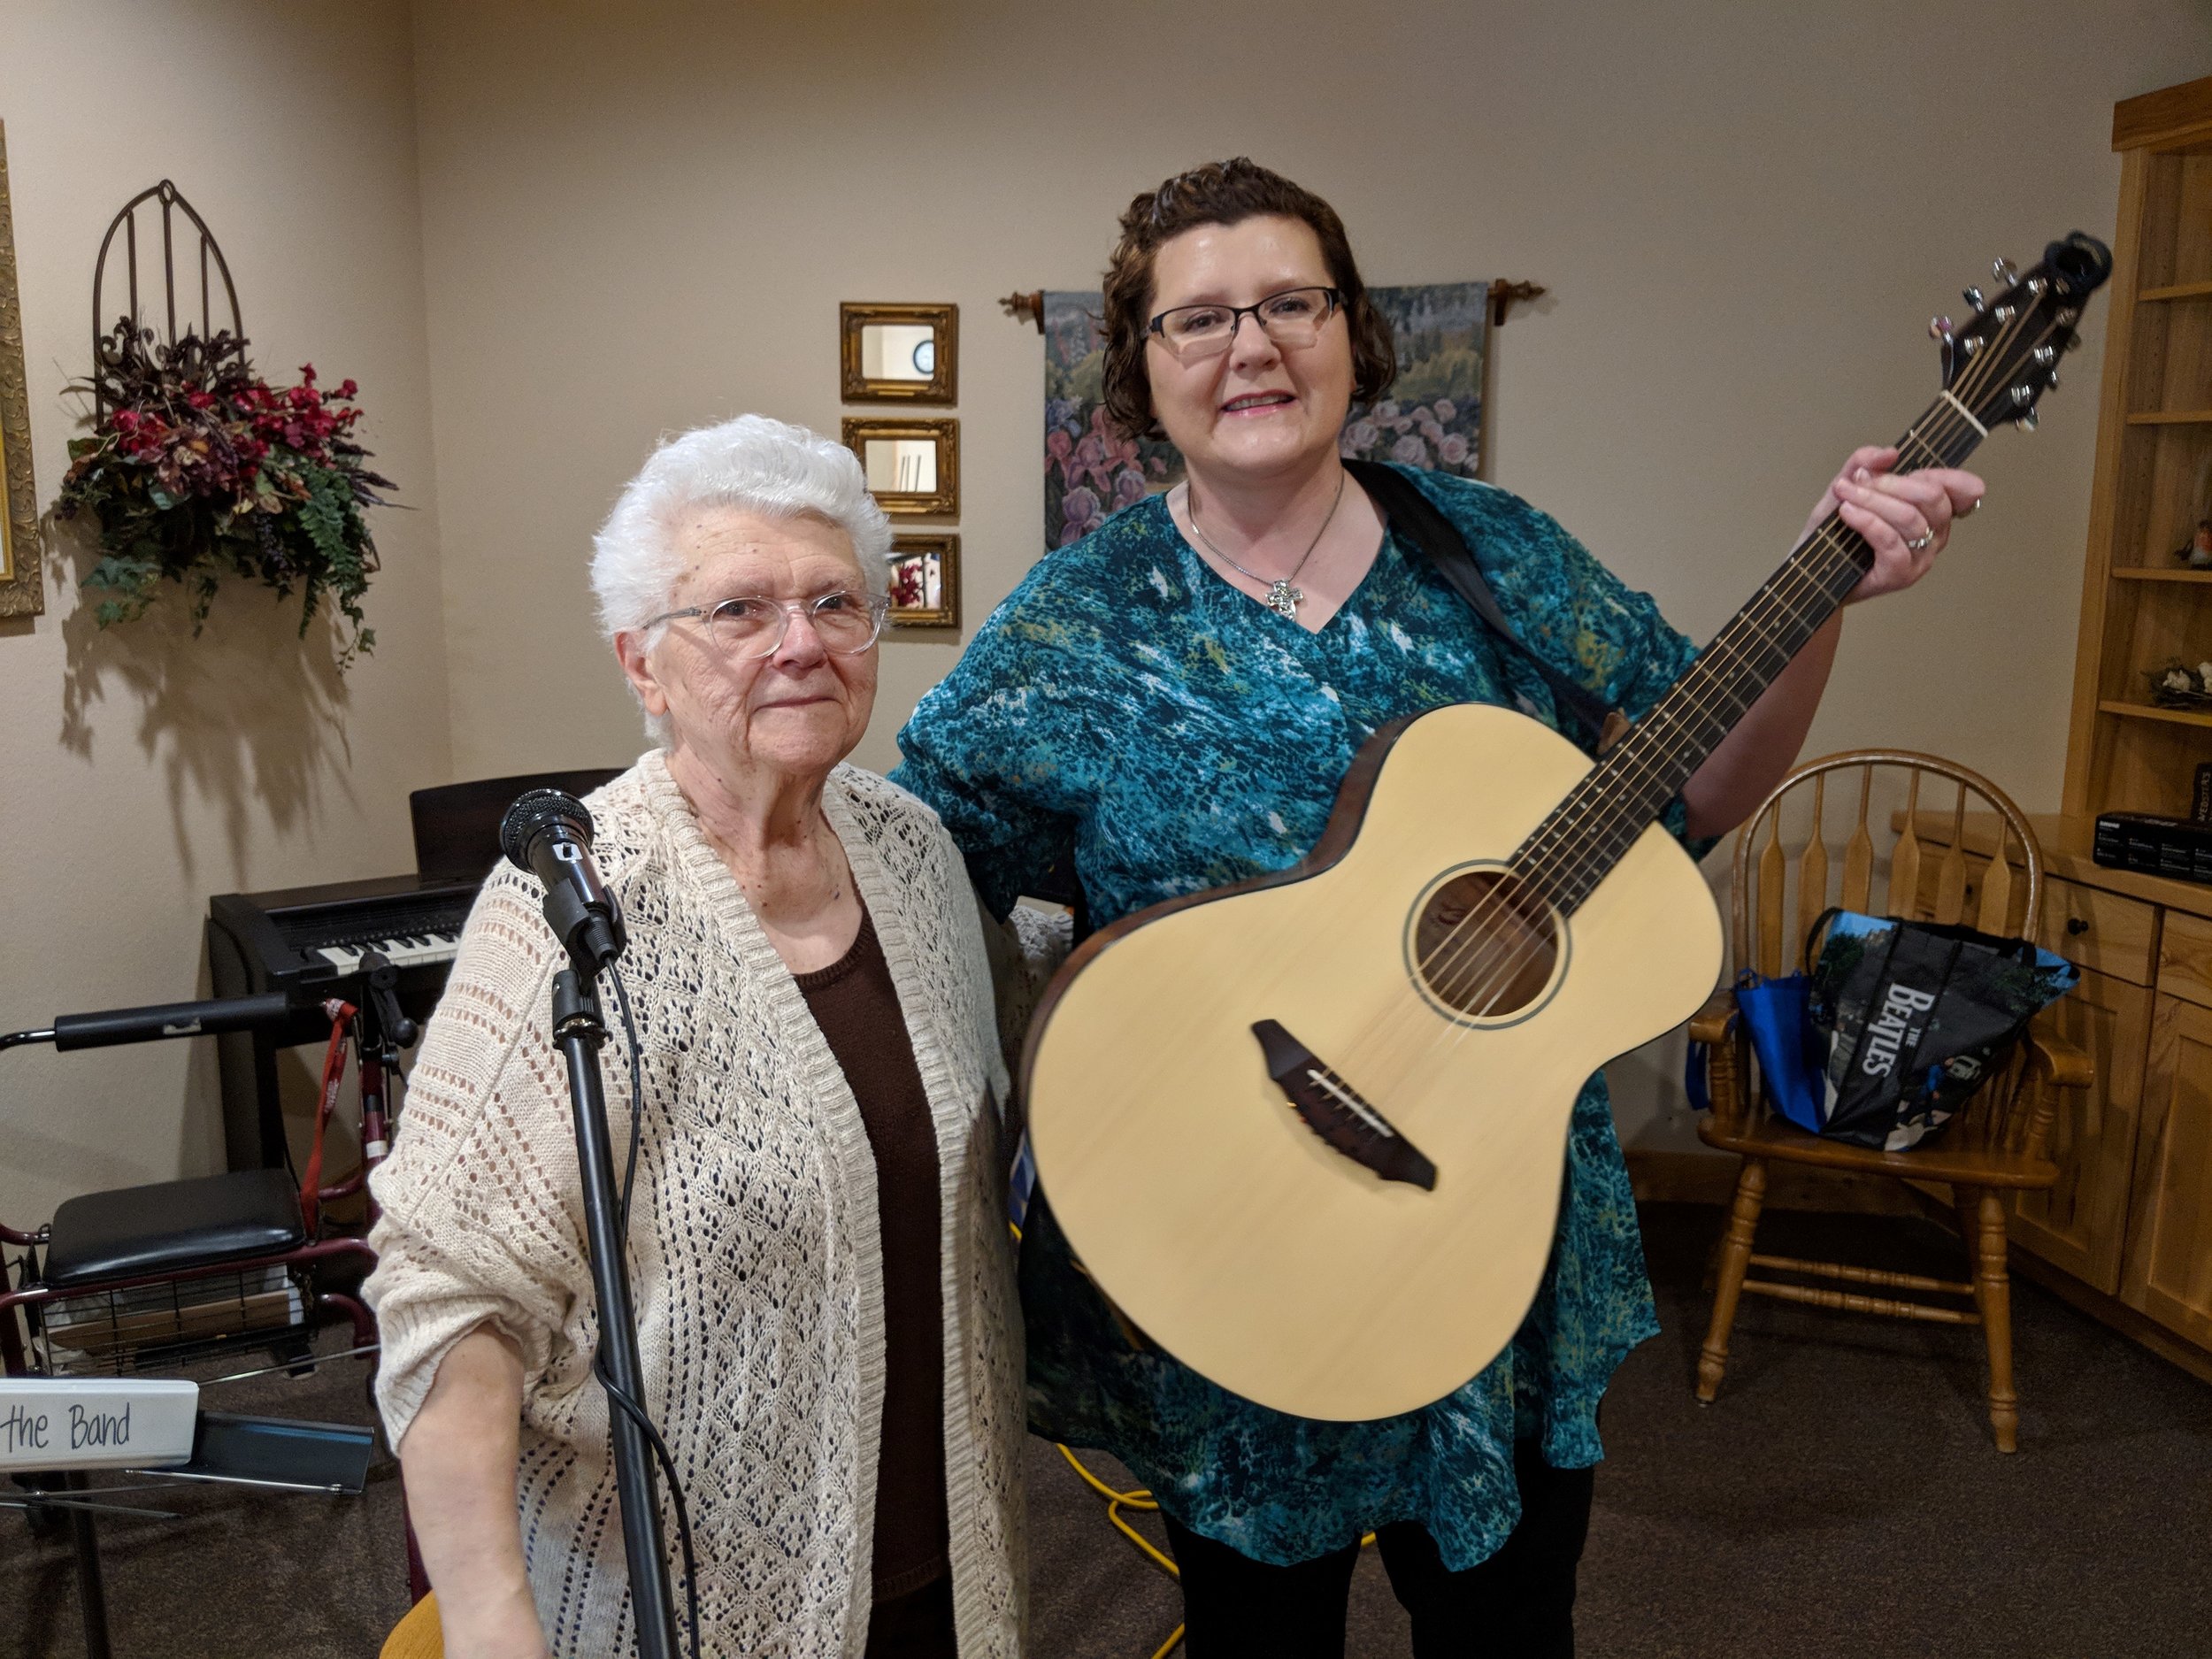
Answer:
(1128, 709)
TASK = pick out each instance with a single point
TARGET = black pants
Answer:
(1518, 1604)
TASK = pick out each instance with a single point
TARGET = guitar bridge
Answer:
(1336, 1111)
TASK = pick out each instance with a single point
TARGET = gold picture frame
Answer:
(22, 592)
(912, 466)
(912, 357)
(934, 600)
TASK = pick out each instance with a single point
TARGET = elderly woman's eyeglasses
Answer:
(846, 623)
(1292, 318)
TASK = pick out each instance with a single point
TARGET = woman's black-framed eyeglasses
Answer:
(1292, 318)
(754, 625)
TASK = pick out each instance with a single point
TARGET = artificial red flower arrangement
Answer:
(197, 466)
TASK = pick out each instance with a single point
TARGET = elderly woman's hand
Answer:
(1904, 517)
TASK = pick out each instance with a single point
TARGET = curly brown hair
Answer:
(1223, 193)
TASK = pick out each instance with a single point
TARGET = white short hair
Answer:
(753, 464)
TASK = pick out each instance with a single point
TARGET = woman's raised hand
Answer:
(1906, 518)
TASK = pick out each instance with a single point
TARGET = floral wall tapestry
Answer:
(1433, 417)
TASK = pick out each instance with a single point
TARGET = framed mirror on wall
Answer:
(21, 594)
(912, 466)
(899, 354)
(925, 581)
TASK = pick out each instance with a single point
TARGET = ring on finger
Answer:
(1919, 543)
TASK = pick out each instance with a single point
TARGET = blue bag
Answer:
(1895, 1027)
(1792, 1051)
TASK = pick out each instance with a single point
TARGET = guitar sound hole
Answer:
(1485, 943)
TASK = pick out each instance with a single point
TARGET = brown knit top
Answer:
(857, 1006)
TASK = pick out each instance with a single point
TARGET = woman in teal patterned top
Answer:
(1169, 705)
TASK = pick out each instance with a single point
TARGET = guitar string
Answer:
(1446, 961)
(1561, 857)
(1481, 928)
(1943, 413)
(1753, 640)
(1757, 636)
(1551, 838)
(1827, 534)
(1760, 640)
(1473, 931)
(1478, 985)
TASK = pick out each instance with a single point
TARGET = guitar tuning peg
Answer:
(2022, 394)
(2051, 385)
(1938, 329)
(1973, 298)
(2004, 271)
(2047, 355)
(2027, 421)
(2073, 343)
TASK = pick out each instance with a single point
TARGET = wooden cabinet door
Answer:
(2081, 1224)
(2166, 1271)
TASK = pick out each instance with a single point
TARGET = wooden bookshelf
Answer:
(2152, 711)
(2130, 1224)
(2142, 608)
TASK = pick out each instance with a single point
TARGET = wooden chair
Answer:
(418, 1635)
(1785, 878)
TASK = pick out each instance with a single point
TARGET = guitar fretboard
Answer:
(1572, 850)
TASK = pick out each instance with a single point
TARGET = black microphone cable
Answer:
(630, 1408)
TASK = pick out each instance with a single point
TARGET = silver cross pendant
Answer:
(1283, 599)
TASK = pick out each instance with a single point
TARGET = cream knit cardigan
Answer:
(755, 1249)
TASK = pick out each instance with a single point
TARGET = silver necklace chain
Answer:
(1282, 597)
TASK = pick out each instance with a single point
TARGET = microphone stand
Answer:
(578, 1029)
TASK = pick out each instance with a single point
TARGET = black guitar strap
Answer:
(1418, 520)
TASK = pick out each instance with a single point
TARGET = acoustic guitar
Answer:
(1308, 1131)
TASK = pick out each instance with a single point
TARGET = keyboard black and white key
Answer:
(411, 950)
(312, 940)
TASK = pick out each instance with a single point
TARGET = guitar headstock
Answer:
(2001, 361)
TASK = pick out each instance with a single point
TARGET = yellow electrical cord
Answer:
(1141, 1498)
(1116, 1502)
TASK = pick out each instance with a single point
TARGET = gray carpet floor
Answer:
(1841, 1498)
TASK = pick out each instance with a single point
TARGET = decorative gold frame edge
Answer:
(944, 430)
(940, 390)
(946, 545)
(24, 593)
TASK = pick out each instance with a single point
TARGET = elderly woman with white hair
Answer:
(818, 1246)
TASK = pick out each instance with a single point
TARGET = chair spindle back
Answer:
(1943, 866)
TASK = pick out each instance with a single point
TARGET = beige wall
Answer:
(640, 219)
(627, 219)
(141, 770)
(643, 217)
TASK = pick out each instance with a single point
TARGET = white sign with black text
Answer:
(97, 1422)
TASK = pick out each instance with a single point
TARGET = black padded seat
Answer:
(137, 1232)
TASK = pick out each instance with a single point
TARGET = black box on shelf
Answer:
(2176, 847)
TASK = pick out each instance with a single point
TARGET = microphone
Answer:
(549, 834)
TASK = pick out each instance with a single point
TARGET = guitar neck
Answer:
(1572, 850)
